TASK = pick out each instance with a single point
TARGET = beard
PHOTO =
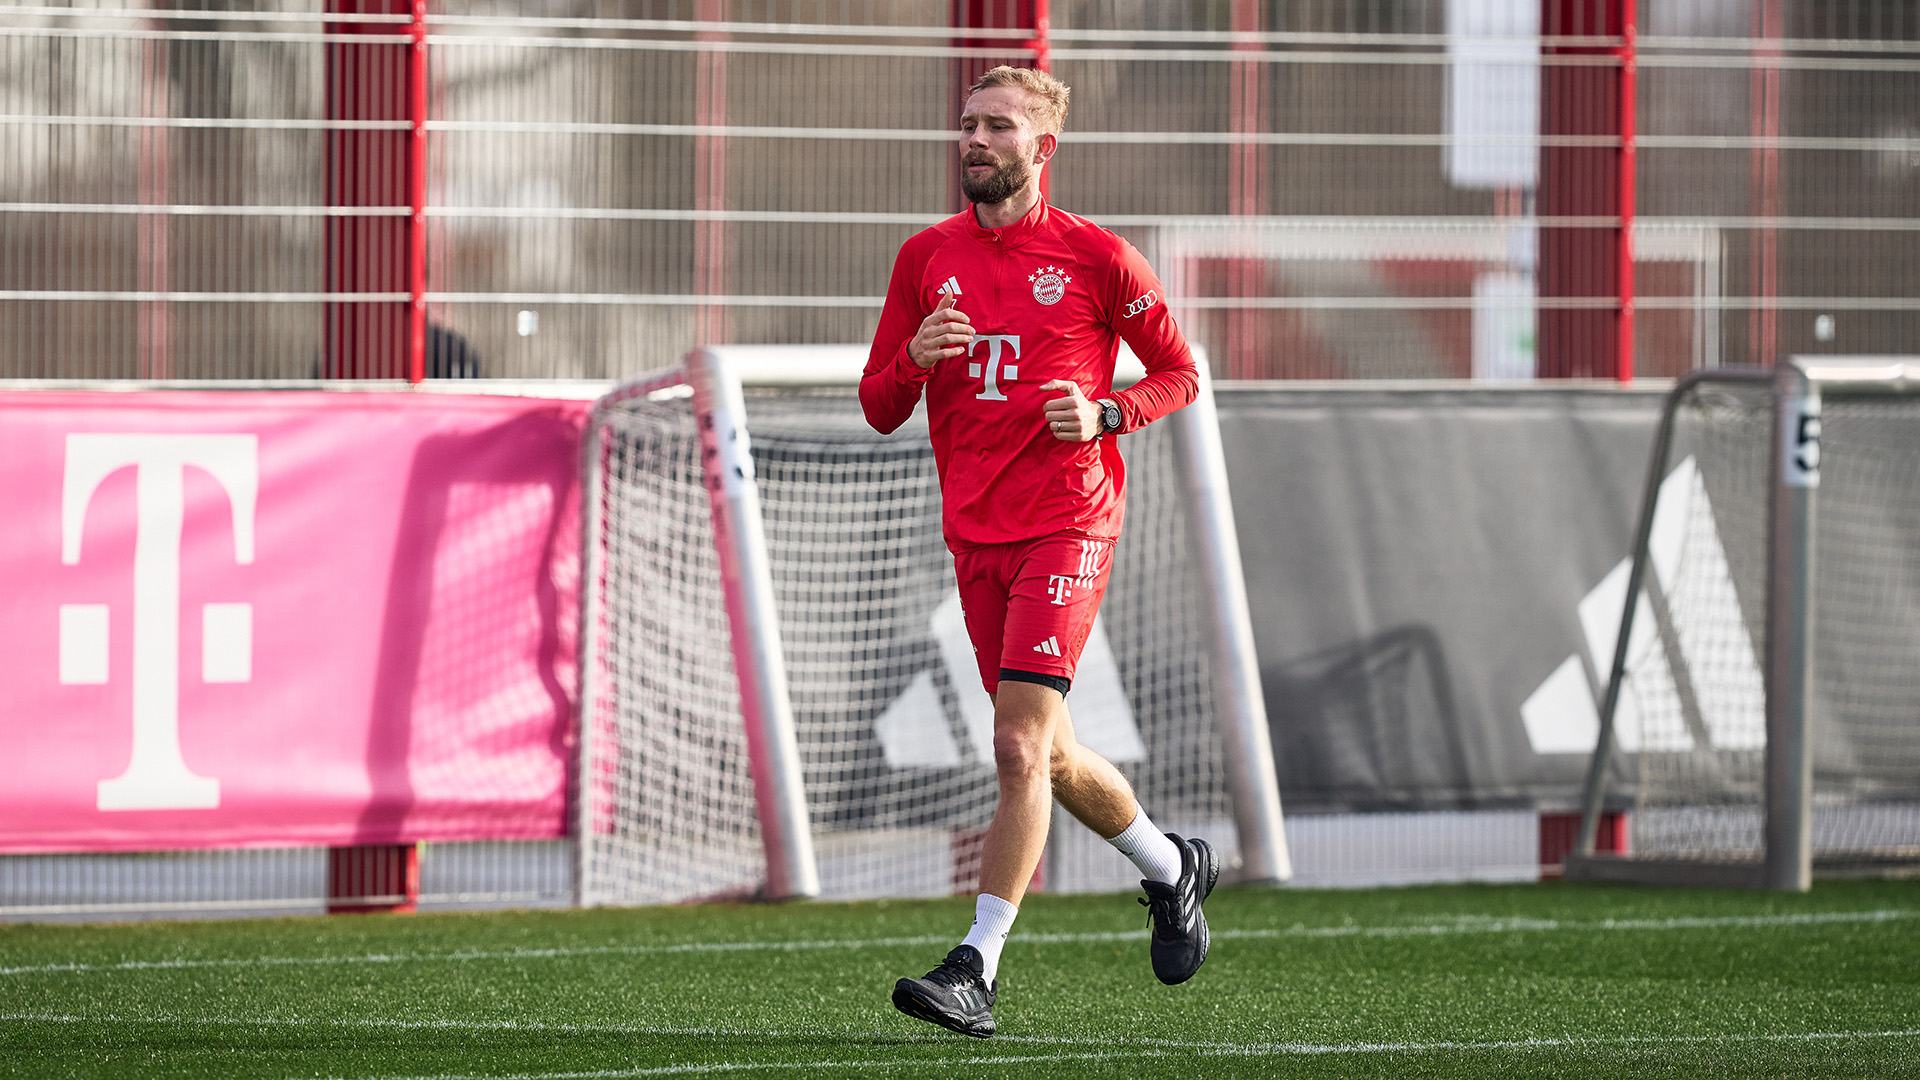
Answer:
(1006, 179)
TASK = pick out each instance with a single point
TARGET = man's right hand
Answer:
(943, 335)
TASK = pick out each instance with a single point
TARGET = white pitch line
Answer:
(1112, 1047)
(574, 1028)
(1466, 924)
(385, 1023)
(1248, 1050)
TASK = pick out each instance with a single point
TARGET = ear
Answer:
(1044, 147)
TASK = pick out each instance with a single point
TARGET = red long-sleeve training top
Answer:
(1050, 297)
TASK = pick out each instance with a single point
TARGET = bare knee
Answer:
(1025, 726)
(1019, 751)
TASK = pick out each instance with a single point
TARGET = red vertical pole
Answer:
(375, 81)
(369, 878)
(1581, 262)
(1765, 182)
(1629, 103)
(417, 197)
(365, 168)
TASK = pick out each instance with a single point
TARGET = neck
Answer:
(1002, 214)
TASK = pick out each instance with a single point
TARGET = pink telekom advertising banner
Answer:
(254, 618)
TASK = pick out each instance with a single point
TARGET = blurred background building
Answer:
(1330, 189)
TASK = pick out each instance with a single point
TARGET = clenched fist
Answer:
(1074, 418)
(944, 334)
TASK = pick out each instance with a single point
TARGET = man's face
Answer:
(998, 145)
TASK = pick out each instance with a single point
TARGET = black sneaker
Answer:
(954, 995)
(1179, 927)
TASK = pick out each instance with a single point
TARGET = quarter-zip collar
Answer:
(1014, 235)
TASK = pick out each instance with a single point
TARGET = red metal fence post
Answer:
(383, 81)
(1764, 181)
(364, 167)
(1629, 177)
(369, 878)
(417, 195)
(1580, 262)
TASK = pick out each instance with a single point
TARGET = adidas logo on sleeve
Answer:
(1051, 646)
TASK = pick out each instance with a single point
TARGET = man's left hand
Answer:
(1074, 418)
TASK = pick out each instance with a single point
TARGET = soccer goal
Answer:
(1762, 717)
(778, 696)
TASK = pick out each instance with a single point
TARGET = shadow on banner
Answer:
(487, 540)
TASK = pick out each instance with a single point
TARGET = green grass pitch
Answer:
(1550, 980)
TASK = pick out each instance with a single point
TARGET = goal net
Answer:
(892, 728)
(1691, 723)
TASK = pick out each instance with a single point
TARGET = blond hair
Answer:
(1046, 95)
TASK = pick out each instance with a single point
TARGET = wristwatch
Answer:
(1110, 418)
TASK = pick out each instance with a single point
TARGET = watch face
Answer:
(1110, 417)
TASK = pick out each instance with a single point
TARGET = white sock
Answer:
(992, 922)
(1157, 857)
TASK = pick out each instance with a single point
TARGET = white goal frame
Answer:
(714, 378)
(1799, 385)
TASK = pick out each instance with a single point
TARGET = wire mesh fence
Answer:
(1339, 189)
(272, 881)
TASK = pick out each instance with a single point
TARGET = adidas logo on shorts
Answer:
(1051, 647)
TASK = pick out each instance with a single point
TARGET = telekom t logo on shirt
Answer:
(994, 371)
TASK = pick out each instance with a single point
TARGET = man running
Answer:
(1008, 317)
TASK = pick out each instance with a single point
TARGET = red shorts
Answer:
(1030, 605)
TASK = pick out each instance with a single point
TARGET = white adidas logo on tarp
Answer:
(1051, 646)
(1562, 716)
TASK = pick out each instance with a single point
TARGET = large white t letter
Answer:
(157, 778)
(995, 371)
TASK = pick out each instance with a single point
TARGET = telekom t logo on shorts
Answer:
(994, 370)
(1060, 587)
(157, 777)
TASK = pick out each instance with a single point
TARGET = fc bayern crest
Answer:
(1049, 284)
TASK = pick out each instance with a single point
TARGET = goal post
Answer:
(1240, 700)
(713, 390)
(772, 702)
(1763, 660)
